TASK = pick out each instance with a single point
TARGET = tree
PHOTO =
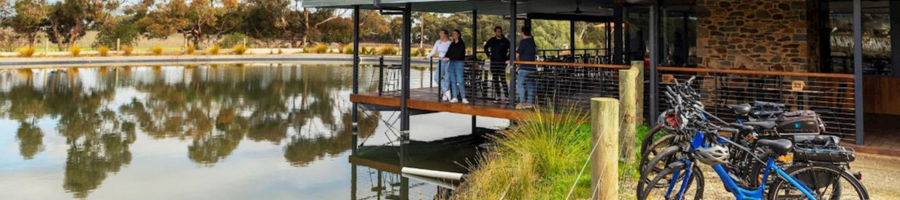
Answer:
(125, 32)
(373, 26)
(263, 18)
(337, 31)
(68, 20)
(166, 19)
(27, 19)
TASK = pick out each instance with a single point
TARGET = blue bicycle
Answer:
(677, 180)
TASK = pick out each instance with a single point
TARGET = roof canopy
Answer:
(489, 7)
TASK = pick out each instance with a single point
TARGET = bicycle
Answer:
(787, 186)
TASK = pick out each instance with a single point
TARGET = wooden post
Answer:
(639, 90)
(627, 111)
(118, 44)
(605, 162)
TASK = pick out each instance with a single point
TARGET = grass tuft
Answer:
(539, 158)
(387, 50)
(25, 51)
(103, 50)
(190, 49)
(75, 51)
(319, 48)
(127, 50)
(239, 49)
(214, 50)
(348, 49)
(157, 50)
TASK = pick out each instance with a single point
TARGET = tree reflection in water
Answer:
(213, 107)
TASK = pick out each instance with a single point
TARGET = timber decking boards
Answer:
(426, 99)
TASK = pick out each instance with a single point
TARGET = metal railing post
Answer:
(431, 72)
(381, 76)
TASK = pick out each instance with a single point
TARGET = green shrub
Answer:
(387, 50)
(75, 51)
(25, 51)
(214, 50)
(157, 50)
(127, 50)
(239, 49)
(233, 39)
(190, 49)
(103, 50)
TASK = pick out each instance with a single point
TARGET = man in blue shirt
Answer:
(527, 51)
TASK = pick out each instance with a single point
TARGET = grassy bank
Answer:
(540, 158)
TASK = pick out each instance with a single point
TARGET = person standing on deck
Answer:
(527, 52)
(456, 54)
(440, 47)
(497, 49)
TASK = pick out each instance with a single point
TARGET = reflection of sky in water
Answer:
(102, 164)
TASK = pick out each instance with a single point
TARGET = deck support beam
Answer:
(618, 46)
(475, 54)
(858, 70)
(895, 37)
(404, 97)
(654, 62)
(512, 54)
(353, 112)
(572, 36)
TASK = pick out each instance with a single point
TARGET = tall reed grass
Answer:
(539, 158)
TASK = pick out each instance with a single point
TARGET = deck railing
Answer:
(830, 95)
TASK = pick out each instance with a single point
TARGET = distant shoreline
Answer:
(12, 63)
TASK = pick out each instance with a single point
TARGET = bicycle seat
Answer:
(763, 125)
(741, 109)
(742, 127)
(768, 104)
(779, 146)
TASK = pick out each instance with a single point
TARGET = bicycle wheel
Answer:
(649, 138)
(653, 151)
(827, 183)
(660, 185)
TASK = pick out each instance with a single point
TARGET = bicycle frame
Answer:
(739, 193)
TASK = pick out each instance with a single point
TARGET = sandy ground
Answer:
(881, 177)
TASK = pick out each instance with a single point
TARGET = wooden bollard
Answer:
(639, 88)
(628, 111)
(605, 162)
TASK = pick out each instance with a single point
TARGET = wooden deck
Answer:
(426, 99)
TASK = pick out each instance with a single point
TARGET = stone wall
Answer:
(769, 35)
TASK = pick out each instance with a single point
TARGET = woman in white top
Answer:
(440, 47)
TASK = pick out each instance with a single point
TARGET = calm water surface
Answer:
(252, 131)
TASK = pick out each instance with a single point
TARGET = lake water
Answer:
(250, 131)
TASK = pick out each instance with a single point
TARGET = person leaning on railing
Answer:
(497, 49)
(440, 47)
(527, 52)
(456, 54)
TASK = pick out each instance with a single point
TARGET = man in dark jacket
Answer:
(527, 52)
(497, 49)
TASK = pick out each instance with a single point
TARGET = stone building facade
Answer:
(768, 35)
